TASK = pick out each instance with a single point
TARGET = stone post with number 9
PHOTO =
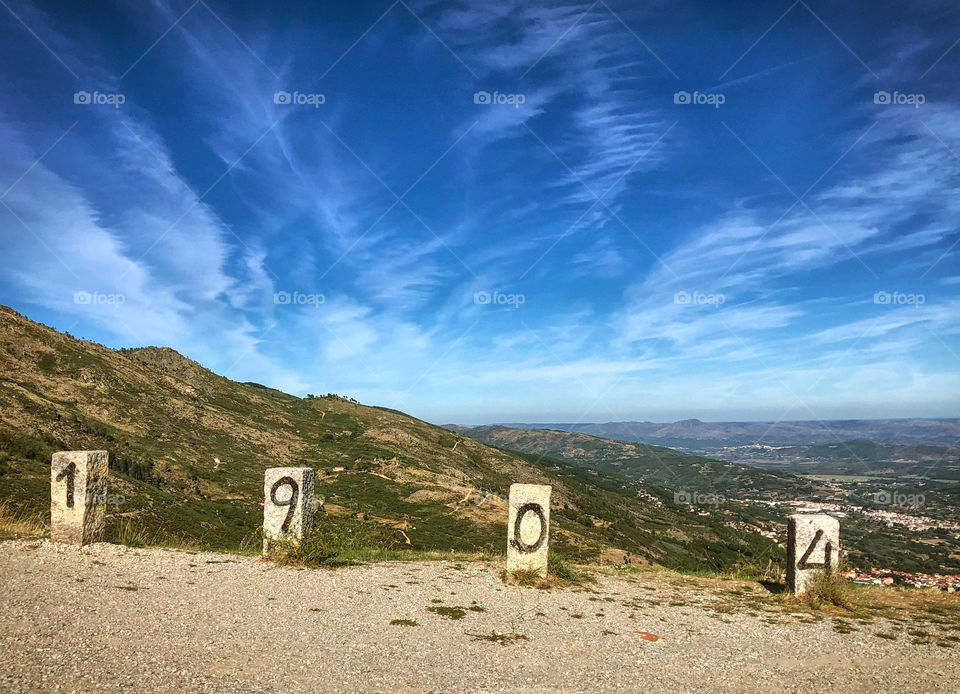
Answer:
(287, 506)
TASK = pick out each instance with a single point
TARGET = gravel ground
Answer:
(110, 618)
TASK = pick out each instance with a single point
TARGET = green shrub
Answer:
(333, 544)
(828, 588)
(558, 567)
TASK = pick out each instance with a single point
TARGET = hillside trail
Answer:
(108, 618)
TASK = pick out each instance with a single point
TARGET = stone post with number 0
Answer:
(528, 528)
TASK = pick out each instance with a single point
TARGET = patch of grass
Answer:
(525, 578)
(404, 622)
(502, 639)
(455, 613)
(19, 522)
(843, 627)
(828, 588)
(559, 575)
(558, 567)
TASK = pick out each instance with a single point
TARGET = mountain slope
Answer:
(188, 450)
(645, 463)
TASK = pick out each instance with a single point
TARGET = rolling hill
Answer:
(696, 435)
(645, 463)
(188, 450)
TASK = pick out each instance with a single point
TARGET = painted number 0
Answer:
(70, 472)
(827, 552)
(291, 504)
(517, 542)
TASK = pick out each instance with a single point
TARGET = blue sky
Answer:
(480, 212)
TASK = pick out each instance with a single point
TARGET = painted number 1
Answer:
(291, 503)
(70, 473)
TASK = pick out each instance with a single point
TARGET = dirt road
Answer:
(109, 618)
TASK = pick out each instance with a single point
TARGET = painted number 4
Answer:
(804, 562)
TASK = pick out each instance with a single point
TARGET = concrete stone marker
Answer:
(528, 528)
(813, 544)
(78, 491)
(287, 505)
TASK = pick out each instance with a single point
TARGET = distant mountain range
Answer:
(696, 435)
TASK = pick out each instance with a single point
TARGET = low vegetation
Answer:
(560, 574)
(828, 588)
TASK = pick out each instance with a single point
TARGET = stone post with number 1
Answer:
(78, 486)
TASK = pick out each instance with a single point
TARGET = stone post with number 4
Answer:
(528, 528)
(813, 544)
(78, 486)
(287, 506)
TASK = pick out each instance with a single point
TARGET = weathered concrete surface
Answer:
(78, 490)
(287, 505)
(528, 528)
(813, 544)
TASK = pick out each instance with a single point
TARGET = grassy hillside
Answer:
(188, 450)
(645, 463)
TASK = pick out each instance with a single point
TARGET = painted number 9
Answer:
(290, 503)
